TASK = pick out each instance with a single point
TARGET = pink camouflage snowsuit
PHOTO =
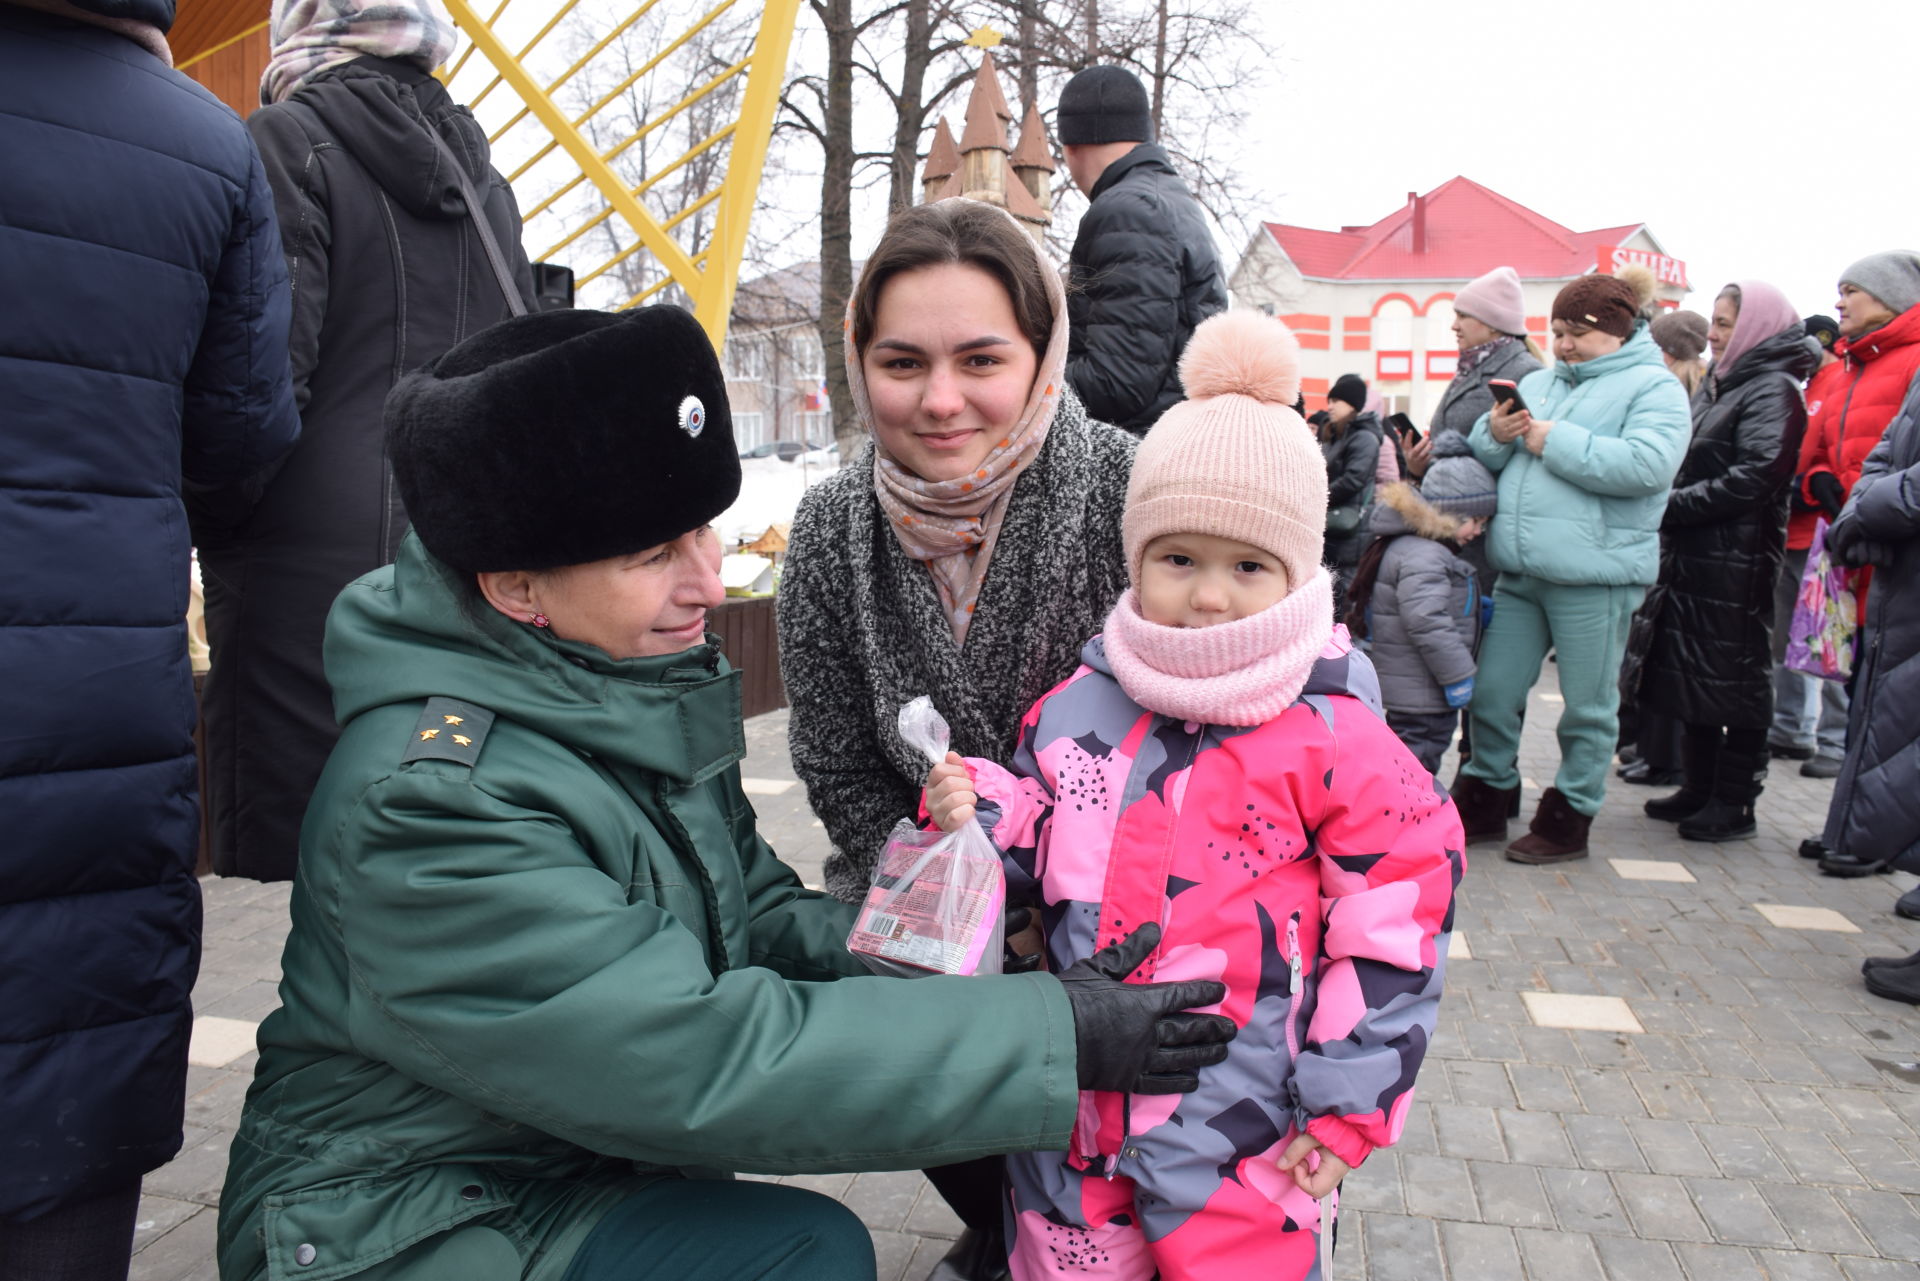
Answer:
(1308, 863)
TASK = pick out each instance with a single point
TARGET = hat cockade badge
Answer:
(693, 416)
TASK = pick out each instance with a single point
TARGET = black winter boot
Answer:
(1895, 982)
(1719, 820)
(1699, 758)
(1682, 805)
(1483, 808)
(1739, 769)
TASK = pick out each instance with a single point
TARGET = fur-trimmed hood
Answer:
(1399, 509)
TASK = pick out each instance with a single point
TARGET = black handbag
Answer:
(1346, 518)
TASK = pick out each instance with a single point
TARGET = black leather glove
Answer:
(1132, 1037)
(1014, 919)
(1841, 536)
(1826, 491)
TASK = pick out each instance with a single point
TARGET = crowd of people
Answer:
(1647, 516)
(545, 987)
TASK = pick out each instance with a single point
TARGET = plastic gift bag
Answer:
(935, 903)
(1825, 615)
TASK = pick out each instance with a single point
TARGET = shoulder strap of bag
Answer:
(476, 215)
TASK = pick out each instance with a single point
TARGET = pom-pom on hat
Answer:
(1611, 304)
(564, 437)
(1233, 459)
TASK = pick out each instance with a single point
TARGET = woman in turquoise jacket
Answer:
(1584, 471)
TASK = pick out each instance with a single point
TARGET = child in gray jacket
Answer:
(1419, 603)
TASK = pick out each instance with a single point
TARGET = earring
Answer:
(538, 620)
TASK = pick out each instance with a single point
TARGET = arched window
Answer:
(1393, 325)
(1440, 325)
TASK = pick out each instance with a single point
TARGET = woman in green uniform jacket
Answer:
(545, 986)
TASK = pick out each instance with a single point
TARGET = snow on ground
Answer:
(770, 493)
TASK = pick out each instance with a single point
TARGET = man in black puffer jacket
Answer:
(143, 350)
(1144, 269)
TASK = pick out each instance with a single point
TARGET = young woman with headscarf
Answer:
(387, 274)
(966, 553)
(1709, 660)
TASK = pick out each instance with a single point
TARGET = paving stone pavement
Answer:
(1763, 1123)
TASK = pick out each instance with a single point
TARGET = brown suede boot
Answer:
(1558, 834)
(1483, 808)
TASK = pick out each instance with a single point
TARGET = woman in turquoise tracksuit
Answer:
(1584, 473)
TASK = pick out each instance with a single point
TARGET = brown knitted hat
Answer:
(1606, 303)
(1681, 334)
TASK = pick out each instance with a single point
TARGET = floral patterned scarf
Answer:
(1473, 357)
(951, 526)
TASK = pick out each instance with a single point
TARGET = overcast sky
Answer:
(1765, 139)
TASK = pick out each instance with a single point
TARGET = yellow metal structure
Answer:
(587, 189)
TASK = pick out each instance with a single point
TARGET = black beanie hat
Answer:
(1351, 388)
(564, 437)
(1823, 329)
(1103, 104)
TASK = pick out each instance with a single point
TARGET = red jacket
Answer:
(1826, 390)
(1855, 405)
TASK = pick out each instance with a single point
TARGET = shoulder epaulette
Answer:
(449, 730)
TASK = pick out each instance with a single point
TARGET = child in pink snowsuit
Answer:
(1219, 764)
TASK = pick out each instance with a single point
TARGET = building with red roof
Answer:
(1378, 300)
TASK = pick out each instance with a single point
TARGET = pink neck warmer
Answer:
(1241, 673)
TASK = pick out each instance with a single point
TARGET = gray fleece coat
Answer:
(862, 630)
(1466, 398)
(1424, 616)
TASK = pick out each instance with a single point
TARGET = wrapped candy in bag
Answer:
(935, 904)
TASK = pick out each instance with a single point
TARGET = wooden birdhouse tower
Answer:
(983, 166)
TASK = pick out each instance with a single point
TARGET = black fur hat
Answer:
(563, 437)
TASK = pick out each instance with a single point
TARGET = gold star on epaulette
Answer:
(426, 734)
(453, 720)
(463, 740)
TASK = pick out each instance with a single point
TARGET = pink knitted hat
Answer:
(1233, 459)
(1495, 301)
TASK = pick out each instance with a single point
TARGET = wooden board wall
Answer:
(233, 74)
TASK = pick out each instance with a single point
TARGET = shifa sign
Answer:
(1668, 271)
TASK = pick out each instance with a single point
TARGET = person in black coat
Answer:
(388, 274)
(142, 350)
(1874, 819)
(1709, 660)
(1144, 271)
(1351, 438)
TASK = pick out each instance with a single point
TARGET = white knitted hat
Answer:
(1495, 300)
(1233, 459)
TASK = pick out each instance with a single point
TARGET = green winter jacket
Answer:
(535, 963)
(1587, 510)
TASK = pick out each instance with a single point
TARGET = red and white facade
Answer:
(1378, 300)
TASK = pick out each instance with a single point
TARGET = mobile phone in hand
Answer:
(1403, 428)
(1507, 394)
